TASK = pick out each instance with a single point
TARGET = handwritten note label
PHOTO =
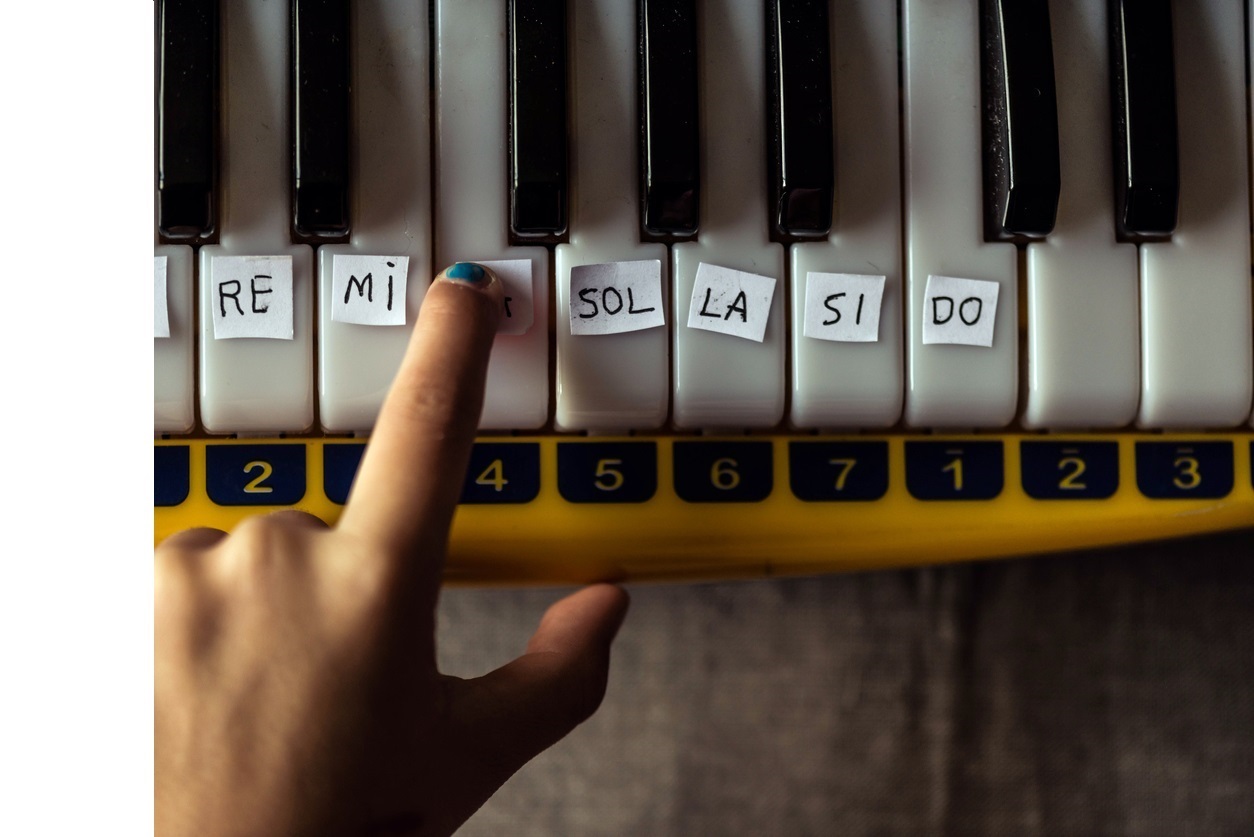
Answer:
(843, 307)
(515, 275)
(960, 311)
(252, 297)
(369, 290)
(616, 297)
(161, 299)
(731, 302)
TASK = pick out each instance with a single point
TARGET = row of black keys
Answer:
(1020, 127)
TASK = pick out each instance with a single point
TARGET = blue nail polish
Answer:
(466, 271)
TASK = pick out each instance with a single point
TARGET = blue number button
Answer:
(502, 472)
(1069, 470)
(821, 471)
(1182, 470)
(958, 470)
(723, 472)
(171, 474)
(255, 475)
(607, 472)
(339, 466)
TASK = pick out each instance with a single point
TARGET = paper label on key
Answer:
(161, 299)
(369, 290)
(960, 311)
(516, 276)
(731, 302)
(616, 297)
(843, 307)
(252, 297)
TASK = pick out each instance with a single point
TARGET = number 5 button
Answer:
(255, 475)
(607, 472)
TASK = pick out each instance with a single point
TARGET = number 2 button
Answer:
(255, 475)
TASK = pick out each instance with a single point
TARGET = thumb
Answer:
(528, 705)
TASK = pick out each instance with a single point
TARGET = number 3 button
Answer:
(255, 475)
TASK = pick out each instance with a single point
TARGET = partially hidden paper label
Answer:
(161, 298)
(516, 277)
(616, 297)
(251, 297)
(731, 302)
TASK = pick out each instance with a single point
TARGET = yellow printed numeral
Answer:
(955, 468)
(1187, 475)
(493, 475)
(254, 485)
(1071, 479)
(613, 476)
(723, 474)
(845, 466)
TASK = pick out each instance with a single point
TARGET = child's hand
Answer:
(296, 681)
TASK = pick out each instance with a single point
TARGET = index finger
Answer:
(411, 475)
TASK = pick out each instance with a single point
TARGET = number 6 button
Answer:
(723, 472)
(255, 475)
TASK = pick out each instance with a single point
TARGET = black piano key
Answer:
(537, 119)
(1143, 101)
(799, 81)
(670, 179)
(1020, 130)
(320, 117)
(187, 118)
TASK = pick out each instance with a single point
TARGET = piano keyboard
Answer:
(935, 281)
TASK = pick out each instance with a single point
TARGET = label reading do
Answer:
(959, 311)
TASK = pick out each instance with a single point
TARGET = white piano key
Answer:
(950, 385)
(723, 381)
(1083, 346)
(173, 375)
(472, 199)
(256, 385)
(614, 381)
(1195, 289)
(390, 207)
(857, 384)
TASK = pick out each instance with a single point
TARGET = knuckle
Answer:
(435, 405)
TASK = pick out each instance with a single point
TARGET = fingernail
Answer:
(466, 272)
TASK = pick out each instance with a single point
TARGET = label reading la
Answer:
(252, 297)
(616, 297)
(731, 302)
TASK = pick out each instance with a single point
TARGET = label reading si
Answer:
(731, 302)
(519, 281)
(369, 290)
(616, 297)
(959, 311)
(160, 300)
(843, 307)
(252, 297)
